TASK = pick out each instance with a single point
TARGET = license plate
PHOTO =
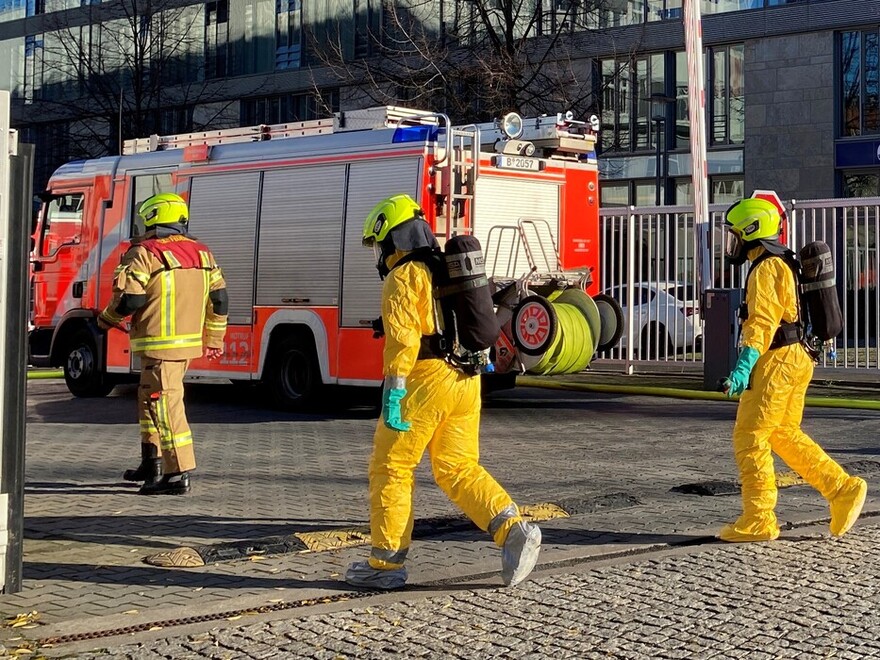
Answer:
(518, 163)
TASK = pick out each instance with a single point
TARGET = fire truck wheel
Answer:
(293, 375)
(82, 373)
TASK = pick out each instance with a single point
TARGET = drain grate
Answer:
(202, 618)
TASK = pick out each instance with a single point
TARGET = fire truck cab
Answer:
(282, 208)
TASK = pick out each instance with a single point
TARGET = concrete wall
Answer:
(789, 97)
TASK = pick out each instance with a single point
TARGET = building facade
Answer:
(793, 87)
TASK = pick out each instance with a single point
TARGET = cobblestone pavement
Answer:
(805, 596)
(262, 473)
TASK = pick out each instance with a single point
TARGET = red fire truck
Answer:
(282, 207)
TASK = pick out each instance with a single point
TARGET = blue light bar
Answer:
(415, 134)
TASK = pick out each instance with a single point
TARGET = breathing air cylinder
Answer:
(466, 290)
(819, 292)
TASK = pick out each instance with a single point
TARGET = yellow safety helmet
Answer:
(750, 220)
(164, 209)
(389, 214)
(754, 219)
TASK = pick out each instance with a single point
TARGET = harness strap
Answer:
(787, 334)
(431, 348)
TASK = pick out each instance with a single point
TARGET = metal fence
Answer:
(648, 265)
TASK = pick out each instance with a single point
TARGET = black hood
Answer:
(408, 237)
(163, 231)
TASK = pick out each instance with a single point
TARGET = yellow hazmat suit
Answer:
(443, 406)
(769, 415)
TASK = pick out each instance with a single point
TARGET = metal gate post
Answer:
(16, 167)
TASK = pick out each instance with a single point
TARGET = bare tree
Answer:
(473, 59)
(127, 69)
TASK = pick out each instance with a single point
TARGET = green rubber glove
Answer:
(391, 415)
(738, 380)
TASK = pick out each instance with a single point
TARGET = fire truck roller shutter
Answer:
(223, 214)
(300, 233)
(369, 182)
(503, 202)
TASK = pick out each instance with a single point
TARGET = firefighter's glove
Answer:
(103, 326)
(391, 415)
(738, 380)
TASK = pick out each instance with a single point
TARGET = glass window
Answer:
(367, 21)
(288, 34)
(646, 194)
(727, 109)
(871, 111)
(664, 10)
(62, 223)
(614, 194)
(850, 82)
(861, 184)
(609, 104)
(719, 96)
(736, 98)
(682, 121)
(642, 105)
(286, 108)
(217, 39)
(626, 101)
(616, 13)
(684, 192)
(146, 186)
(11, 10)
(12, 71)
(727, 190)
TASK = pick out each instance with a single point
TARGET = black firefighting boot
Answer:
(176, 483)
(150, 469)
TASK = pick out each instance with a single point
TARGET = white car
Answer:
(665, 316)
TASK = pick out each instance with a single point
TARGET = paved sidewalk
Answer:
(805, 595)
(262, 473)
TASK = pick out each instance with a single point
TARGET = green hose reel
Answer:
(559, 334)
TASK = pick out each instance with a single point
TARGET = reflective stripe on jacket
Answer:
(177, 274)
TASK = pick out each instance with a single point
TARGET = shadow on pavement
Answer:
(206, 403)
(168, 577)
(142, 531)
(588, 537)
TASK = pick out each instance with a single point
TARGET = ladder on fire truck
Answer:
(455, 168)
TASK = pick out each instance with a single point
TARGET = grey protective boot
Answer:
(361, 574)
(520, 552)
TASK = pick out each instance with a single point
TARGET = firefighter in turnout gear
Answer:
(772, 374)
(427, 404)
(174, 291)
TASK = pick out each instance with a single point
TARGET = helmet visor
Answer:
(735, 244)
